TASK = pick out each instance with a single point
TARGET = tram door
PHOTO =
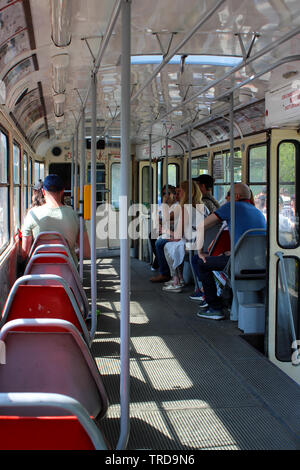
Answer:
(284, 253)
(145, 200)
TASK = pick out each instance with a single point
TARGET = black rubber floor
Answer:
(195, 383)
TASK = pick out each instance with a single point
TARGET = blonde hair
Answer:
(196, 194)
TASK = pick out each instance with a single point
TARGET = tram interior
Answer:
(120, 98)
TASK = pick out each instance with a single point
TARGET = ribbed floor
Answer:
(195, 383)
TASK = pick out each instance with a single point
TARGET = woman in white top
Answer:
(183, 232)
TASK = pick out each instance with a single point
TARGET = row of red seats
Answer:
(51, 392)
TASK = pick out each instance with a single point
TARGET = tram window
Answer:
(4, 192)
(287, 210)
(221, 172)
(173, 174)
(257, 175)
(283, 328)
(100, 182)
(25, 180)
(38, 171)
(145, 186)
(17, 185)
(115, 185)
(199, 166)
(30, 178)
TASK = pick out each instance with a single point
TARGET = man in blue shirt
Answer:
(247, 217)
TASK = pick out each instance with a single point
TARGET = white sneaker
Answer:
(172, 288)
(168, 283)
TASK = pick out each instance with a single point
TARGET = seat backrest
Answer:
(27, 300)
(250, 255)
(54, 248)
(74, 431)
(51, 356)
(209, 235)
(60, 265)
(49, 237)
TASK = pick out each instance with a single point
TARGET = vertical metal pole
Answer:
(167, 165)
(81, 203)
(93, 205)
(124, 240)
(190, 202)
(76, 169)
(190, 164)
(72, 174)
(234, 308)
(150, 195)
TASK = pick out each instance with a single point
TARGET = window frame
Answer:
(6, 185)
(296, 143)
(101, 183)
(225, 184)
(297, 327)
(17, 223)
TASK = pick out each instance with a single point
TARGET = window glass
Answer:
(39, 168)
(288, 212)
(17, 186)
(199, 166)
(25, 180)
(221, 172)
(283, 326)
(17, 164)
(173, 174)
(4, 192)
(100, 182)
(115, 184)
(257, 173)
(3, 159)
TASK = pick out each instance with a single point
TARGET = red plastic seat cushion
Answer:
(43, 433)
(35, 301)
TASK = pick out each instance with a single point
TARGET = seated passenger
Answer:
(169, 199)
(53, 216)
(205, 183)
(37, 195)
(247, 217)
(175, 249)
(170, 212)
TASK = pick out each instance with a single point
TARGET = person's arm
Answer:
(26, 245)
(209, 221)
(86, 245)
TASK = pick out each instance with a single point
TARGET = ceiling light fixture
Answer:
(61, 13)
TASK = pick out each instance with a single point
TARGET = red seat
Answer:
(47, 421)
(43, 433)
(59, 265)
(42, 302)
(30, 297)
(49, 355)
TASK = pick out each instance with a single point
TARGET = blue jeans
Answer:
(160, 255)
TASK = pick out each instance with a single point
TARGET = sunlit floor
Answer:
(195, 383)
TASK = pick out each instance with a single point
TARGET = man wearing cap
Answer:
(205, 183)
(53, 216)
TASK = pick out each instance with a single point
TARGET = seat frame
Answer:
(74, 272)
(40, 279)
(20, 401)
